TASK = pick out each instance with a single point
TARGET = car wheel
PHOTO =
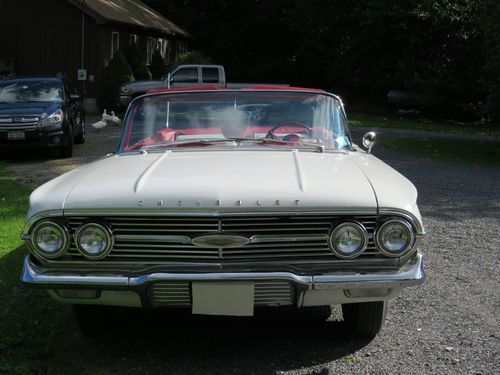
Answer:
(66, 150)
(364, 319)
(93, 320)
(80, 138)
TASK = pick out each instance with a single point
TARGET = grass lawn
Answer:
(394, 121)
(23, 342)
(476, 153)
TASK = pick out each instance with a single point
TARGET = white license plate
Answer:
(16, 136)
(223, 298)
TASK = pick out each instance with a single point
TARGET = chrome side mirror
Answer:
(369, 141)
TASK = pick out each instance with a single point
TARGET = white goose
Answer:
(99, 124)
(106, 117)
(115, 119)
(102, 123)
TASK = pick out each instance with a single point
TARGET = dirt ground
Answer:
(34, 166)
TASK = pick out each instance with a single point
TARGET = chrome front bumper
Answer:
(412, 273)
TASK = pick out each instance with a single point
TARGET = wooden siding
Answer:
(44, 38)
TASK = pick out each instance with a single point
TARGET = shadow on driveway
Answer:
(42, 335)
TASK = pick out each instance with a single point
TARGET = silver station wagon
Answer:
(222, 201)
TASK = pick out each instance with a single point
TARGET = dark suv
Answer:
(41, 110)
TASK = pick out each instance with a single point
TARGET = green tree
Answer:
(489, 25)
(117, 71)
(192, 57)
(137, 62)
(158, 67)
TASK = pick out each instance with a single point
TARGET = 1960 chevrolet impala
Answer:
(223, 201)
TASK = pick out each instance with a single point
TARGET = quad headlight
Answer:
(93, 240)
(348, 240)
(395, 237)
(50, 239)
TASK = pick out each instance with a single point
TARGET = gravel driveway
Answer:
(450, 325)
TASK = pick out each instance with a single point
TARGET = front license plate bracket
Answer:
(16, 135)
(223, 298)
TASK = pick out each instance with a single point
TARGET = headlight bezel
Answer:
(409, 245)
(55, 118)
(109, 237)
(65, 236)
(364, 234)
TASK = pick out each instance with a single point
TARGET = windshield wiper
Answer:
(193, 142)
(270, 141)
(235, 141)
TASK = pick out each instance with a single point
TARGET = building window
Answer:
(150, 49)
(160, 46)
(133, 38)
(115, 42)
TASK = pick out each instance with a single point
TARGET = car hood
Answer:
(28, 109)
(214, 181)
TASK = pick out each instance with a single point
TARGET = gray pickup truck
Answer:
(180, 76)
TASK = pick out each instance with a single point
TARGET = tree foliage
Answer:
(137, 62)
(117, 71)
(360, 49)
(158, 67)
(193, 57)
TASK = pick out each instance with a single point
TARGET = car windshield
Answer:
(297, 119)
(30, 91)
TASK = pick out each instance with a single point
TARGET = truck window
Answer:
(210, 75)
(189, 75)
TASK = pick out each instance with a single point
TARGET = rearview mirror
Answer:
(369, 141)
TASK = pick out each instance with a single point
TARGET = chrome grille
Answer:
(280, 238)
(173, 293)
(18, 122)
(178, 293)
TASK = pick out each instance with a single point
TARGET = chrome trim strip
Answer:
(410, 274)
(22, 120)
(183, 212)
(262, 238)
(242, 211)
(40, 215)
(25, 127)
(407, 215)
(153, 238)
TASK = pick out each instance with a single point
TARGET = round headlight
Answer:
(395, 237)
(348, 240)
(94, 240)
(49, 239)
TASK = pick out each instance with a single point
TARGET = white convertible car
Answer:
(222, 201)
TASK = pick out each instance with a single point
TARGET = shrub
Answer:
(158, 67)
(117, 71)
(137, 62)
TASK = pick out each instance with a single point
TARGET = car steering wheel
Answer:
(270, 133)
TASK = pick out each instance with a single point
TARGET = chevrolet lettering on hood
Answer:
(225, 201)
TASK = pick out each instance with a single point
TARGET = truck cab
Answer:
(192, 75)
(180, 76)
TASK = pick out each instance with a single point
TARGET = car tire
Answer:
(364, 319)
(66, 150)
(93, 320)
(80, 138)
